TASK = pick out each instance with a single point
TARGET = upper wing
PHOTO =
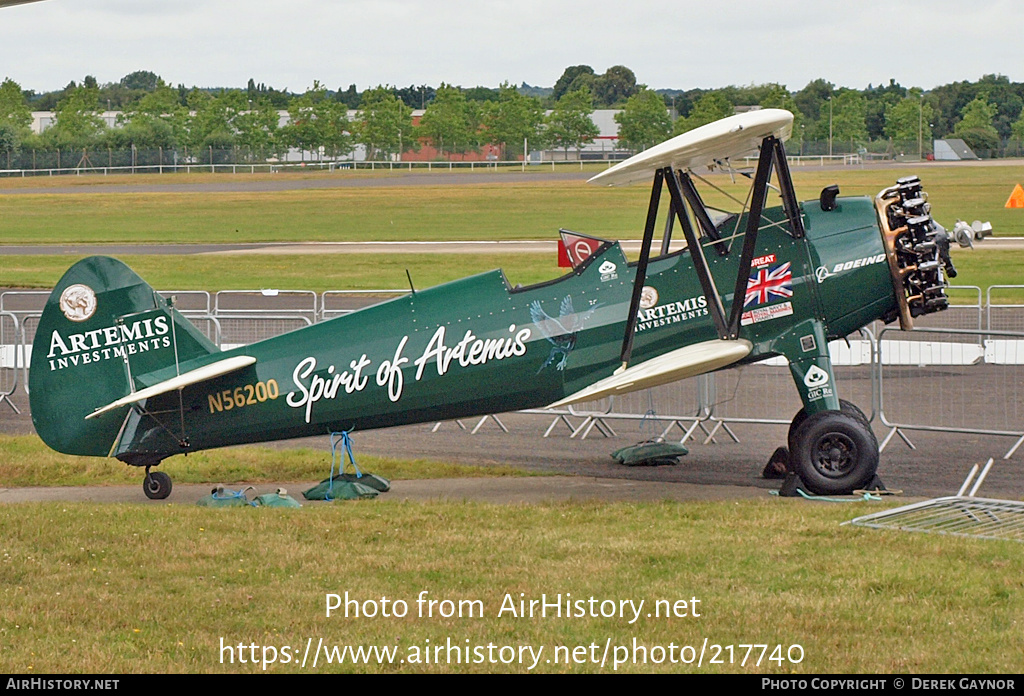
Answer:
(729, 137)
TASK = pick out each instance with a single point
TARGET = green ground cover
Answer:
(161, 589)
(485, 210)
(956, 192)
(26, 461)
(482, 211)
(320, 272)
(316, 272)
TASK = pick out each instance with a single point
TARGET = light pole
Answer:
(830, 125)
(920, 128)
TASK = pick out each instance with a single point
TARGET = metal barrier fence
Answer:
(954, 381)
(959, 371)
(26, 306)
(236, 303)
(242, 330)
(1006, 315)
(189, 301)
(108, 164)
(29, 323)
(22, 302)
(209, 325)
(657, 411)
(967, 313)
(11, 355)
(712, 402)
(197, 306)
(336, 303)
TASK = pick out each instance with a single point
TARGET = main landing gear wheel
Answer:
(834, 453)
(157, 485)
(847, 407)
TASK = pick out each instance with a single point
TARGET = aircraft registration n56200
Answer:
(117, 371)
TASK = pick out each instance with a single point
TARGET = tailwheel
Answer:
(157, 485)
(834, 453)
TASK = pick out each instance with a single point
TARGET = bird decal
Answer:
(561, 332)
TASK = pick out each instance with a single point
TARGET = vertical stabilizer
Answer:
(101, 325)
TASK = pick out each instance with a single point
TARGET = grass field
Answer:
(485, 210)
(26, 461)
(128, 588)
(316, 272)
(480, 211)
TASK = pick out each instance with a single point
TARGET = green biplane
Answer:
(117, 371)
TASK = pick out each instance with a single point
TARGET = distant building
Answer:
(952, 149)
(604, 147)
(41, 120)
(426, 152)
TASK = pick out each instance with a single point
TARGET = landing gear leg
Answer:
(157, 485)
(832, 448)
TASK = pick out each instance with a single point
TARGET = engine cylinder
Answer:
(917, 248)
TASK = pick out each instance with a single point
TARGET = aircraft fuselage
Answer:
(477, 346)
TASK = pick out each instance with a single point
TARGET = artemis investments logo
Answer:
(120, 341)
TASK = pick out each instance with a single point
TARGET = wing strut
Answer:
(666, 238)
(757, 199)
(700, 211)
(700, 264)
(789, 201)
(641, 267)
(683, 192)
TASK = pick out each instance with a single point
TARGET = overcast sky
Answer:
(668, 44)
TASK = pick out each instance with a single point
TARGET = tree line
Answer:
(988, 114)
(318, 120)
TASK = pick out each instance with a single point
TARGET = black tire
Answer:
(845, 406)
(834, 453)
(853, 409)
(157, 485)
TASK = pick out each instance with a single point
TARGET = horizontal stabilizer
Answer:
(200, 374)
(678, 364)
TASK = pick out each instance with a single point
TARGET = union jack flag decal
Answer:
(768, 284)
